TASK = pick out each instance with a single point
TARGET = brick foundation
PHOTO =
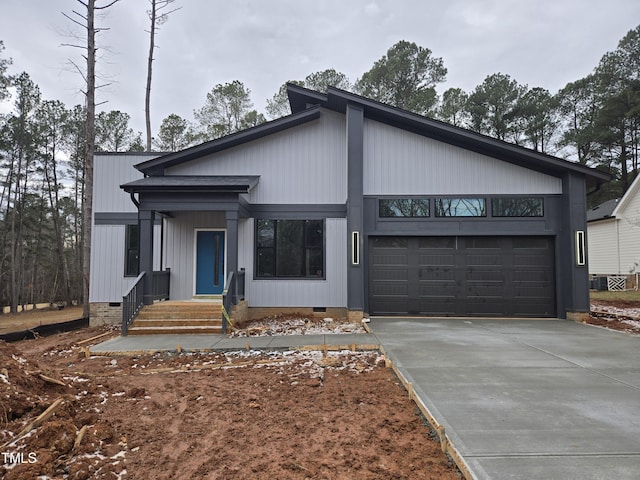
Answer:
(578, 316)
(101, 313)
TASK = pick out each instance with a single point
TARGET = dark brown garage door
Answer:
(462, 276)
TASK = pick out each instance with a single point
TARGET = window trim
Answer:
(127, 249)
(483, 198)
(517, 197)
(395, 218)
(276, 277)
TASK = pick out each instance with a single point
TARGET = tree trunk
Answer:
(147, 99)
(54, 201)
(90, 146)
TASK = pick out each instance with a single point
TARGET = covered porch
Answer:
(200, 240)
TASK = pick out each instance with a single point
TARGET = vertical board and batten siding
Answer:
(401, 162)
(108, 283)
(179, 243)
(330, 292)
(602, 247)
(301, 165)
(111, 171)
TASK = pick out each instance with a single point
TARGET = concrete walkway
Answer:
(137, 344)
(526, 399)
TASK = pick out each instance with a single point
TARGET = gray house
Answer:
(352, 207)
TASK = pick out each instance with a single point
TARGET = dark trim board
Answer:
(298, 211)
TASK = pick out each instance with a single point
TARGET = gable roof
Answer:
(602, 211)
(632, 191)
(156, 166)
(306, 105)
(337, 100)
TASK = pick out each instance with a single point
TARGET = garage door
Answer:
(462, 276)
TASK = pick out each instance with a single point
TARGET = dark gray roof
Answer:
(192, 183)
(156, 166)
(335, 99)
(602, 211)
(306, 104)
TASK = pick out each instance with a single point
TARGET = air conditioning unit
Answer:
(599, 283)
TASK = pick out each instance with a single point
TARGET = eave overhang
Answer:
(157, 166)
(192, 184)
(337, 100)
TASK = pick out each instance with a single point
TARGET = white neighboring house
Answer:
(613, 231)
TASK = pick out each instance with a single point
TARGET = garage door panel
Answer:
(485, 289)
(390, 259)
(391, 275)
(440, 274)
(438, 289)
(436, 260)
(490, 276)
(480, 260)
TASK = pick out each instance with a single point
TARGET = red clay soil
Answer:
(208, 416)
(619, 315)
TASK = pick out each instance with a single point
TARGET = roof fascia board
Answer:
(337, 100)
(156, 167)
(461, 137)
(633, 189)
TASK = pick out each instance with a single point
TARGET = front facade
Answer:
(352, 206)
(614, 235)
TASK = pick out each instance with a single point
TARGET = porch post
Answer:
(232, 241)
(145, 221)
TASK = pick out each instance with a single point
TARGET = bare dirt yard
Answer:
(235, 415)
(240, 415)
(616, 311)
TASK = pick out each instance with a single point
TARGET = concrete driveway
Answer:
(519, 399)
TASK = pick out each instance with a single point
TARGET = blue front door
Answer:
(209, 262)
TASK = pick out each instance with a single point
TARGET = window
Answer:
(517, 207)
(404, 207)
(460, 207)
(290, 249)
(131, 253)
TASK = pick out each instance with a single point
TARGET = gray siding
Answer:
(401, 162)
(331, 292)
(179, 248)
(302, 165)
(111, 171)
(108, 283)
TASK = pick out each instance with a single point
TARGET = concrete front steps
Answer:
(178, 317)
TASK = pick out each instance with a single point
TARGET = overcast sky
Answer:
(263, 43)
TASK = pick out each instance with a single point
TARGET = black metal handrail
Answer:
(132, 303)
(232, 294)
(161, 284)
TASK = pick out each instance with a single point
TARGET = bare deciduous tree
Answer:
(86, 20)
(158, 15)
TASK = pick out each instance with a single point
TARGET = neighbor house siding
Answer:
(602, 247)
(629, 231)
(401, 162)
(179, 248)
(108, 283)
(302, 165)
(330, 292)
